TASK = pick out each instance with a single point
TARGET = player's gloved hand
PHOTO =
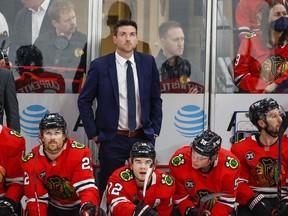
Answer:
(205, 213)
(7, 206)
(144, 210)
(283, 208)
(258, 206)
(191, 211)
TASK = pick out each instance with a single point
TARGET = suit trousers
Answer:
(114, 154)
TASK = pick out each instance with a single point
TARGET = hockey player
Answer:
(206, 177)
(12, 145)
(58, 174)
(261, 62)
(258, 155)
(126, 186)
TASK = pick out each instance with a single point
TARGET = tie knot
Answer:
(128, 62)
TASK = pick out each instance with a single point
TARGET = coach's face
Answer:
(126, 39)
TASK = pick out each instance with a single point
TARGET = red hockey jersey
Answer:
(12, 145)
(123, 195)
(193, 185)
(256, 65)
(259, 168)
(64, 183)
(46, 82)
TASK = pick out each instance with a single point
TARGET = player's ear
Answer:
(262, 123)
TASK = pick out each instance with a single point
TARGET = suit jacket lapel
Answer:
(140, 72)
(112, 70)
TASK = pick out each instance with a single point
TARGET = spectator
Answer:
(129, 182)
(247, 16)
(64, 47)
(3, 24)
(4, 41)
(31, 21)
(260, 65)
(12, 146)
(258, 155)
(58, 173)
(33, 78)
(8, 100)
(206, 177)
(171, 65)
(106, 82)
(117, 11)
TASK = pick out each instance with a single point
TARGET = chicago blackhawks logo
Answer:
(184, 79)
(126, 175)
(178, 160)
(273, 68)
(60, 187)
(29, 156)
(167, 179)
(77, 145)
(231, 163)
(78, 52)
(265, 173)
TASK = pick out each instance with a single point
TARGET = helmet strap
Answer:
(269, 132)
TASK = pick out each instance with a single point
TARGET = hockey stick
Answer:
(148, 173)
(208, 197)
(282, 129)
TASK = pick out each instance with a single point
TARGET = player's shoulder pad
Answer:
(126, 175)
(178, 159)
(15, 134)
(251, 35)
(231, 162)
(28, 157)
(77, 145)
(241, 140)
(166, 179)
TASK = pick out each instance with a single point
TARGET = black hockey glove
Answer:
(191, 211)
(89, 209)
(258, 206)
(283, 208)
(144, 210)
(7, 206)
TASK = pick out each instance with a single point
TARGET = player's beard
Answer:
(272, 131)
(52, 150)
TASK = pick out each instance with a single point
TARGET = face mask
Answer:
(280, 24)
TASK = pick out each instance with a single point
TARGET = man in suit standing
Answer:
(8, 99)
(31, 21)
(106, 82)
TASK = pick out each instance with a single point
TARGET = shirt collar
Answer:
(43, 6)
(122, 61)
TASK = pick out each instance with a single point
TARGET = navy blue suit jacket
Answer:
(101, 84)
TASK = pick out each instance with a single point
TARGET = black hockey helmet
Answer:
(259, 109)
(207, 143)
(52, 120)
(28, 55)
(143, 149)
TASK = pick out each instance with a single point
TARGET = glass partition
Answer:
(48, 46)
(173, 32)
